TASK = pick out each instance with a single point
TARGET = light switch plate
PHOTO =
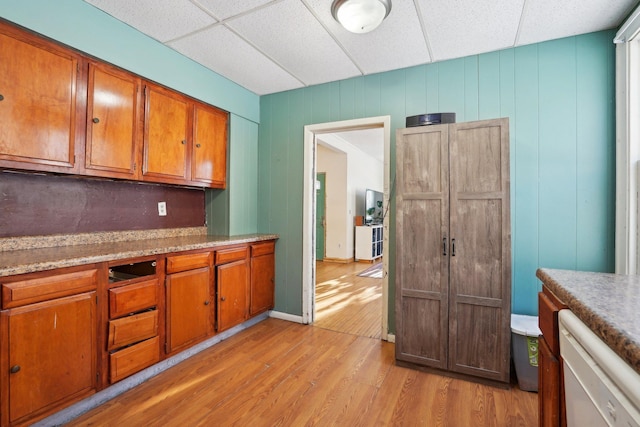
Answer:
(162, 208)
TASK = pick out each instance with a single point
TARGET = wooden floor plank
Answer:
(281, 373)
(346, 302)
(302, 375)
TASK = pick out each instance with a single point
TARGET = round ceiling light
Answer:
(360, 16)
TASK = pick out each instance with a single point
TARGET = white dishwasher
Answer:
(601, 389)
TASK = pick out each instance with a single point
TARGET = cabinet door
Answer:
(189, 308)
(165, 136)
(422, 223)
(112, 122)
(51, 354)
(262, 283)
(233, 286)
(37, 103)
(549, 380)
(480, 262)
(209, 160)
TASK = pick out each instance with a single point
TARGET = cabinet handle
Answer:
(444, 246)
(206, 302)
(197, 145)
(1, 97)
(223, 298)
(453, 247)
(96, 120)
(15, 369)
(184, 142)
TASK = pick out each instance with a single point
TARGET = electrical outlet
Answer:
(162, 208)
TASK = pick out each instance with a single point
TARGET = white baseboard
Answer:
(285, 316)
(391, 337)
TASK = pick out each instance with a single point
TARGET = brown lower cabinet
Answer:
(48, 345)
(262, 277)
(190, 305)
(232, 282)
(550, 384)
(68, 333)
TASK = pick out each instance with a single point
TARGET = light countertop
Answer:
(18, 256)
(609, 304)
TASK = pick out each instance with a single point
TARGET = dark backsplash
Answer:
(34, 205)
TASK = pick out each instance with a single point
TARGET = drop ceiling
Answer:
(270, 46)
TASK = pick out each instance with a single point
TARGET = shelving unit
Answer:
(369, 242)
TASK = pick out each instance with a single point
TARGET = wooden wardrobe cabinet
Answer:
(40, 110)
(453, 262)
(113, 105)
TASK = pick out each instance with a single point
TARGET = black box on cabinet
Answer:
(430, 119)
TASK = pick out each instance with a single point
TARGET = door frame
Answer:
(309, 208)
(323, 191)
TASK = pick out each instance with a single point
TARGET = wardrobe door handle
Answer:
(453, 247)
(444, 246)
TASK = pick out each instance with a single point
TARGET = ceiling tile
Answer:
(222, 51)
(161, 19)
(397, 43)
(550, 19)
(458, 28)
(224, 9)
(288, 33)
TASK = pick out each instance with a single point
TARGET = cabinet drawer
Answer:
(132, 298)
(47, 287)
(266, 248)
(178, 263)
(224, 256)
(133, 359)
(548, 320)
(131, 329)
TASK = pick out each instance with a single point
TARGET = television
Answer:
(373, 207)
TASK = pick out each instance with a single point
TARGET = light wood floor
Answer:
(279, 373)
(346, 302)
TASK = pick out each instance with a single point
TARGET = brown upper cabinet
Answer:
(166, 135)
(185, 142)
(39, 103)
(113, 100)
(64, 112)
(209, 160)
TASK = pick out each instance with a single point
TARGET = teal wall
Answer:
(234, 210)
(559, 97)
(88, 29)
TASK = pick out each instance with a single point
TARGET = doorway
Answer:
(309, 216)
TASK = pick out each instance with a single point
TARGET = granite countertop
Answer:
(609, 304)
(31, 254)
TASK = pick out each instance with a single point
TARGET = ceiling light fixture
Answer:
(360, 16)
